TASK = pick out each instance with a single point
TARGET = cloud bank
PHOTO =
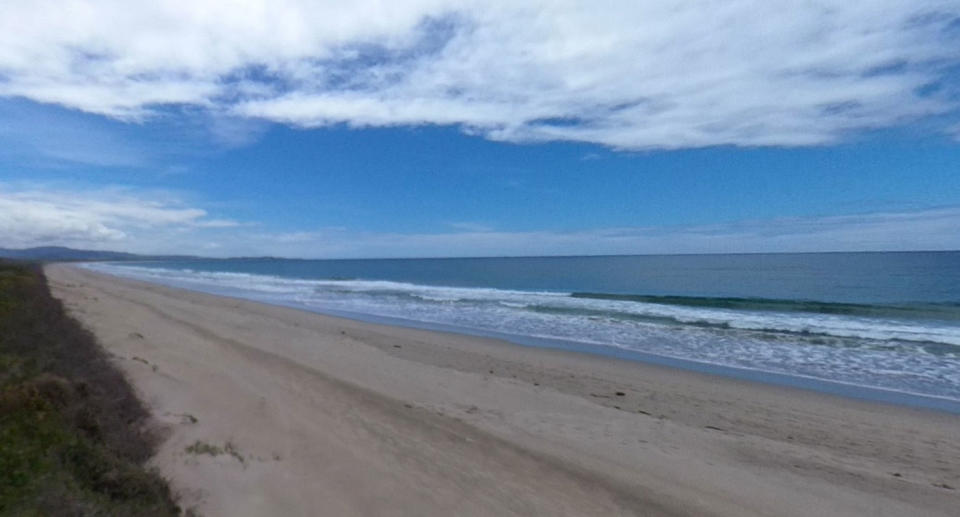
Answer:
(626, 74)
(125, 219)
(932, 229)
(103, 219)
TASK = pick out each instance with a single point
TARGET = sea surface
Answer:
(883, 321)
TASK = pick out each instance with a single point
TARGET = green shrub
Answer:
(71, 428)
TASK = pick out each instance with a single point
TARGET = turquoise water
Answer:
(878, 320)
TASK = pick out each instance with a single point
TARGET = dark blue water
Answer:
(872, 278)
(880, 320)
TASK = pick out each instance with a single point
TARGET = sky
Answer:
(425, 128)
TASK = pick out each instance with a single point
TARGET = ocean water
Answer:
(887, 321)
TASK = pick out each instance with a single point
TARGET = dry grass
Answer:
(201, 447)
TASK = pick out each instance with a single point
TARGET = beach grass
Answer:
(72, 433)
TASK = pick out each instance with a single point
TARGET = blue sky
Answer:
(444, 129)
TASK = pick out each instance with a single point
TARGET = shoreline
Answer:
(803, 382)
(644, 438)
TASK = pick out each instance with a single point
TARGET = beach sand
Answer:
(318, 415)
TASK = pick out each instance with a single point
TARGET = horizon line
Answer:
(161, 256)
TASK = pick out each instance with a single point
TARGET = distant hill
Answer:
(60, 253)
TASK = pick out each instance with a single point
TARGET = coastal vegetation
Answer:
(201, 447)
(73, 435)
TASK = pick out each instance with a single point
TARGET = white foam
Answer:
(865, 350)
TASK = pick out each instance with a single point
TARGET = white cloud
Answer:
(126, 219)
(626, 74)
(932, 229)
(105, 218)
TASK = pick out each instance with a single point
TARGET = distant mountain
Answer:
(60, 253)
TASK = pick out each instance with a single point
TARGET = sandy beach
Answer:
(306, 414)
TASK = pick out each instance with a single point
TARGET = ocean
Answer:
(873, 322)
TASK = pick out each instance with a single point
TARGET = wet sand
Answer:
(306, 414)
